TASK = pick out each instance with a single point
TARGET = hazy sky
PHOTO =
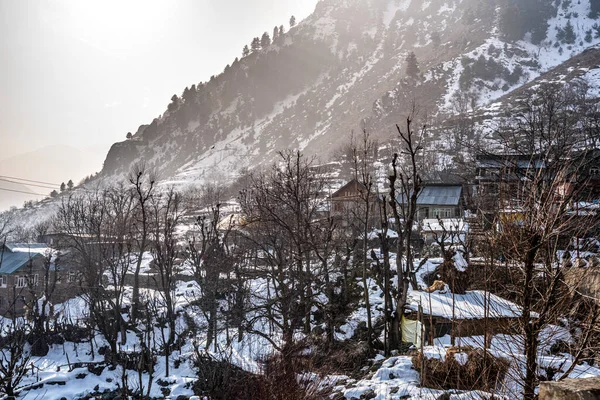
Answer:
(85, 72)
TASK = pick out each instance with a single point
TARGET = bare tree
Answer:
(14, 356)
(363, 172)
(281, 205)
(539, 213)
(167, 212)
(405, 185)
(41, 301)
(209, 256)
(143, 183)
(96, 229)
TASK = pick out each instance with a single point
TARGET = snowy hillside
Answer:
(343, 65)
(271, 287)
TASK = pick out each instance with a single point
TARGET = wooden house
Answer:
(349, 201)
(439, 201)
(583, 182)
(27, 271)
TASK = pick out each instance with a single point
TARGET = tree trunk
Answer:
(135, 296)
(365, 273)
(529, 326)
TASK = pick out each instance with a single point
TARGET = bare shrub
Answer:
(281, 380)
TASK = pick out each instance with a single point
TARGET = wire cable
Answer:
(30, 180)
(28, 184)
(21, 191)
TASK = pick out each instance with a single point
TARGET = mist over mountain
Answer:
(15, 193)
(345, 67)
(51, 165)
(349, 66)
(457, 257)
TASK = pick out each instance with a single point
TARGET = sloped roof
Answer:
(11, 262)
(17, 255)
(443, 178)
(471, 305)
(353, 183)
(232, 221)
(440, 195)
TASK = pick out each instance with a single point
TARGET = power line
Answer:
(29, 180)
(28, 184)
(21, 191)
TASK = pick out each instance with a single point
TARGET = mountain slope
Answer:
(344, 67)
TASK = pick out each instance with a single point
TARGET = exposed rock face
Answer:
(571, 389)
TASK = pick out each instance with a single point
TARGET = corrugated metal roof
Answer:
(440, 195)
(471, 305)
(17, 255)
(11, 262)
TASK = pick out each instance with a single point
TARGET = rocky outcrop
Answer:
(571, 389)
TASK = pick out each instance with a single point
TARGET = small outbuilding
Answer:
(441, 313)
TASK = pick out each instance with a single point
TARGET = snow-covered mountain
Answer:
(346, 64)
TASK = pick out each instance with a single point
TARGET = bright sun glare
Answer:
(114, 26)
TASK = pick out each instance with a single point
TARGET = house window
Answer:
(594, 171)
(71, 277)
(3, 281)
(36, 279)
(442, 212)
(21, 282)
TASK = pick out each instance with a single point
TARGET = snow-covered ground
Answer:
(64, 373)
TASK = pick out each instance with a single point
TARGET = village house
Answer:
(27, 271)
(583, 182)
(348, 203)
(442, 196)
(439, 201)
(499, 177)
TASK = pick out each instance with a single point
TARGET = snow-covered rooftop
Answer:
(471, 305)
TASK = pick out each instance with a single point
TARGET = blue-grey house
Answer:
(28, 271)
(439, 201)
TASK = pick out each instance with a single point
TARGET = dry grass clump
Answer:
(481, 371)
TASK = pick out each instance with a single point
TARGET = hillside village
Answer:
(256, 244)
(420, 287)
